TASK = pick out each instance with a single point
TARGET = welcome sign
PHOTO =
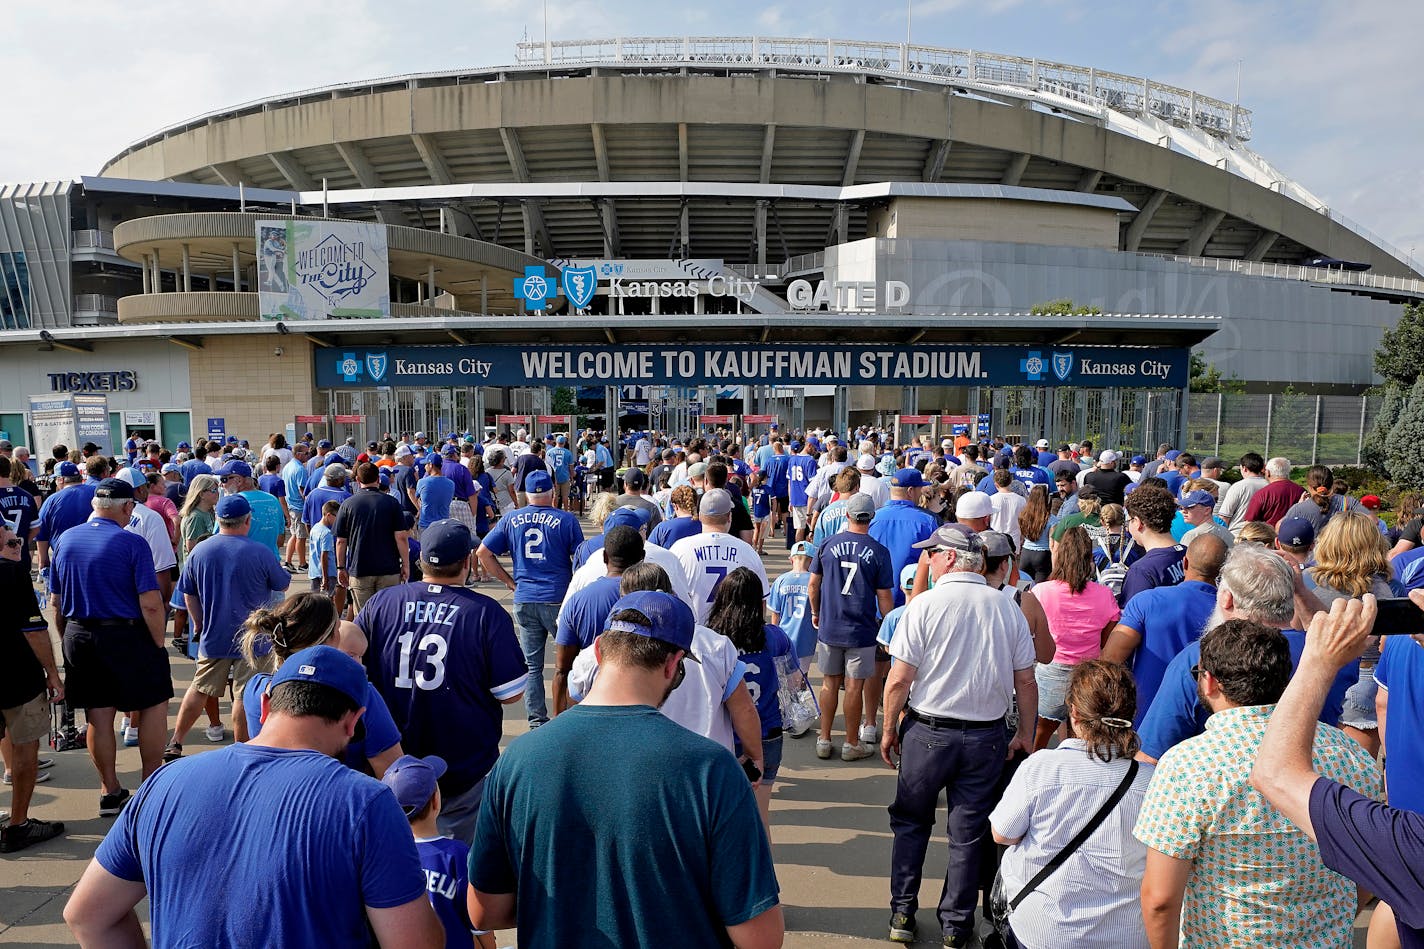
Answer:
(317, 270)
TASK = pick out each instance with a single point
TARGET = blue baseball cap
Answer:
(414, 781)
(433, 459)
(907, 478)
(445, 542)
(669, 619)
(1172, 455)
(114, 488)
(796, 446)
(231, 506)
(450, 451)
(1295, 531)
(184, 446)
(1196, 498)
(907, 575)
(324, 443)
(560, 439)
(66, 469)
(170, 468)
(627, 516)
(1139, 459)
(232, 439)
(235, 467)
(134, 477)
(328, 666)
(332, 459)
(538, 483)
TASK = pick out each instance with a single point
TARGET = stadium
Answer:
(1050, 240)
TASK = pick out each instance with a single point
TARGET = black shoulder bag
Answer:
(1000, 906)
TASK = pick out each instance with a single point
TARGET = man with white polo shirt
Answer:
(708, 557)
(871, 484)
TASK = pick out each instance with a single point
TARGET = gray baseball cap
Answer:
(715, 503)
(860, 508)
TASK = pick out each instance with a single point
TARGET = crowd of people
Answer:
(1151, 690)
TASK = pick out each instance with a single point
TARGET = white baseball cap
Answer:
(1108, 457)
(1041, 443)
(865, 462)
(973, 505)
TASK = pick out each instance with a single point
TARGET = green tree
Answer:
(1064, 308)
(1207, 378)
(1378, 438)
(565, 400)
(1400, 357)
(1401, 453)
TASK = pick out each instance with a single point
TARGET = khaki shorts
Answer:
(363, 588)
(210, 676)
(295, 525)
(26, 723)
(799, 516)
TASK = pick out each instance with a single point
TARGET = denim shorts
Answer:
(1052, 680)
(770, 759)
(1359, 708)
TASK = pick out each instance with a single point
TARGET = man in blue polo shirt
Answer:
(902, 523)
(331, 486)
(224, 579)
(434, 492)
(540, 540)
(851, 587)
(67, 507)
(104, 586)
(196, 465)
(294, 480)
(445, 659)
(1158, 623)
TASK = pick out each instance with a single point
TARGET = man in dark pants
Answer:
(955, 692)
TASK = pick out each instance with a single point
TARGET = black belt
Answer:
(935, 721)
(104, 622)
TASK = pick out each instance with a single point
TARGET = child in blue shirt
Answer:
(761, 511)
(787, 602)
(444, 860)
(321, 548)
(892, 618)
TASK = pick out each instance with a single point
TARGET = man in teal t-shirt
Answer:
(677, 855)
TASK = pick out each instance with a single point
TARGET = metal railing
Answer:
(1093, 88)
(1307, 429)
(93, 240)
(1349, 278)
(95, 303)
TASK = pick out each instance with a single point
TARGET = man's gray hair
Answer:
(1278, 467)
(109, 504)
(967, 561)
(231, 522)
(1261, 584)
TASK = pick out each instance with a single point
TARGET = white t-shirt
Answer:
(875, 488)
(707, 558)
(596, 567)
(1005, 519)
(150, 525)
(966, 640)
(697, 704)
(283, 453)
(641, 450)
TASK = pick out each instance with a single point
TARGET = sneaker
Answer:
(40, 777)
(31, 832)
(902, 927)
(46, 763)
(124, 725)
(851, 752)
(111, 804)
(215, 733)
(869, 735)
(130, 737)
(958, 940)
(823, 748)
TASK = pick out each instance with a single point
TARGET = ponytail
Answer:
(307, 619)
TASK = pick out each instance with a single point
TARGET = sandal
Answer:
(173, 752)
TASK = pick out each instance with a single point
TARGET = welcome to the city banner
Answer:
(317, 270)
(750, 364)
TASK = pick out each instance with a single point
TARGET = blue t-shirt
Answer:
(540, 542)
(1379, 846)
(788, 600)
(321, 545)
(1167, 618)
(191, 468)
(231, 576)
(311, 508)
(446, 865)
(888, 626)
(273, 485)
(1031, 476)
(561, 460)
(66, 508)
(99, 570)
(763, 681)
(899, 525)
(776, 468)
(675, 856)
(381, 733)
(587, 549)
(435, 493)
(441, 654)
(585, 614)
(268, 522)
(1155, 568)
(294, 480)
(1177, 714)
(1400, 671)
(1408, 566)
(853, 567)
(800, 469)
(761, 501)
(673, 529)
(338, 841)
(831, 521)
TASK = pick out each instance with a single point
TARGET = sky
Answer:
(1333, 88)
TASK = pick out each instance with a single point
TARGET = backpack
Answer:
(1114, 572)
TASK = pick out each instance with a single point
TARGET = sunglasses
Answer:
(1197, 671)
(225, 479)
(13, 542)
(681, 673)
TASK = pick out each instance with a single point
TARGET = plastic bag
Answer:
(799, 709)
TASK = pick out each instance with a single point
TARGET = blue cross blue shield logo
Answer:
(1062, 365)
(1032, 367)
(536, 289)
(376, 364)
(579, 285)
(349, 367)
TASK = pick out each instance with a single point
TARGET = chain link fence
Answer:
(1307, 429)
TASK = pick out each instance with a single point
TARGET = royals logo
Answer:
(580, 283)
(1062, 365)
(376, 364)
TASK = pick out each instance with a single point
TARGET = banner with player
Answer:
(319, 270)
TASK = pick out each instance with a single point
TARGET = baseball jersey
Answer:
(706, 560)
(540, 542)
(788, 600)
(800, 469)
(442, 654)
(852, 567)
(777, 468)
(445, 862)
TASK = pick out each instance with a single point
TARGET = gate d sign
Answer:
(847, 295)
